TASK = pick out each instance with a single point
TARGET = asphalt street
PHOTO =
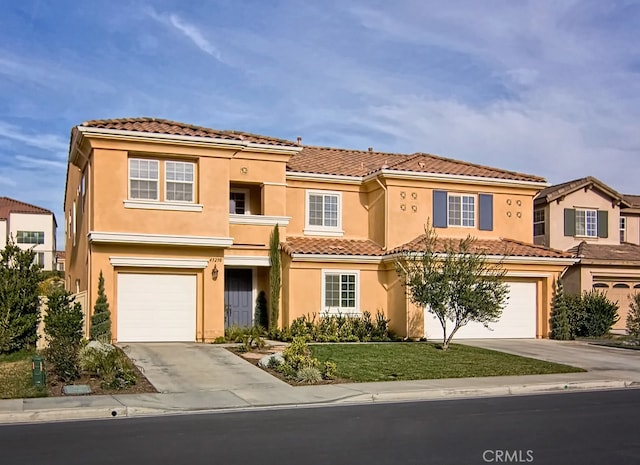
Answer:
(563, 428)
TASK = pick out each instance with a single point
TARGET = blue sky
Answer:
(545, 87)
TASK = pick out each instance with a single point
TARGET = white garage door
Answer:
(156, 307)
(518, 318)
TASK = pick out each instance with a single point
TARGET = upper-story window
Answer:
(587, 223)
(143, 179)
(461, 210)
(179, 181)
(324, 212)
(538, 222)
(239, 202)
(30, 237)
(623, 229)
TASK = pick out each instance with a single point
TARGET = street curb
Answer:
(120, 411)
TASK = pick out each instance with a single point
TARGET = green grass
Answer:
(15, 376)
(407, 361)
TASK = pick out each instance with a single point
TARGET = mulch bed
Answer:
(142, 386)
(254, 357)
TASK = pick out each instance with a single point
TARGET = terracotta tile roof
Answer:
(558, 190)
(332, 246)
(633, 200)
(8, 206)
(495, 247)
(622, 252)
(325, 246)
(60, 255)
(334, 161)
(345, 162)
(163, 126)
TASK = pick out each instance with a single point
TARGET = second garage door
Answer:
(156, 308)
(518, 318)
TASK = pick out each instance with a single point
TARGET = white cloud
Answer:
(50, 142)
(40, 162)
(189, 30)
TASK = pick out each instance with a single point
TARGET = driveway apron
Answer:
(191, 367)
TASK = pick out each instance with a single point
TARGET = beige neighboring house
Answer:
(60, 259)
(600, 227)
(30, 227)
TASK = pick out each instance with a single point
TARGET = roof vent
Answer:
(422, 164)
(299, 140)
(370, 149)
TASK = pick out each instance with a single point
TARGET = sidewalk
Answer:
(282, 395)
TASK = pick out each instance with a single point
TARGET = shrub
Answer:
(250, 337)
(600, 314)
(63, 329)
(19, 301)
(111, 366)
(309, 375)
(274, 363)
(337, 328)
(633, 317)
(575, 314)
(101, 319)
(559, 320)
(261, 316)
(330, 369)
(298, 355)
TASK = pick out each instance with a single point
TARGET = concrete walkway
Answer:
(212, 379)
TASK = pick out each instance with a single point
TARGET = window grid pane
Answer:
(580, 223)
(238, 205)
(143, 179)
(468, 211)
(592, 223)
(315, 210)
(455, 210)
(348, 293)
(332, 290)
(331, 211)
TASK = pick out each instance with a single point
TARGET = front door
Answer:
(238, 297)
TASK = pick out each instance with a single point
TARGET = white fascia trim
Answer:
(192, 140)
(312, 257)
(158, 239)
(500, 259)
(259, 220)
(148, 262)
(269, 183)
(335, 178)
(456, 178)
(246, 260)
(156, 205)
(527, 274)
(323, 232)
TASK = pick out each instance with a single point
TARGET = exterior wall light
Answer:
(214, 272)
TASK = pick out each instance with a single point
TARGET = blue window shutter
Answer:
(485, 206)
(439, 209)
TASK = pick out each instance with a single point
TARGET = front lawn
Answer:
(15, 376)
(407, 361)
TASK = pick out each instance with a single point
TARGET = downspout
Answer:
(386, 212)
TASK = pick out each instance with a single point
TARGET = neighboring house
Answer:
(60, 256)
(598, 226)
(178, 218)
(30, 227)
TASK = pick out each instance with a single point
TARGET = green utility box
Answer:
(39, 377)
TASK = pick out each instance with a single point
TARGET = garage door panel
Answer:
(518, 318)
(156, 307)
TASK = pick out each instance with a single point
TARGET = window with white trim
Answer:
(587, 223)
(178, 181)
(538, 222)
(340, 291)
(461, 210)
(30, 237)
(623, 229)
(324, 211)
(143, 179)
(38, 259)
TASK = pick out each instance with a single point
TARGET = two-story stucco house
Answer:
(30, 227)
(178, 219)
(601, 228)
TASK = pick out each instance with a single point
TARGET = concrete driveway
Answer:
(608, 361)
(191, 367)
